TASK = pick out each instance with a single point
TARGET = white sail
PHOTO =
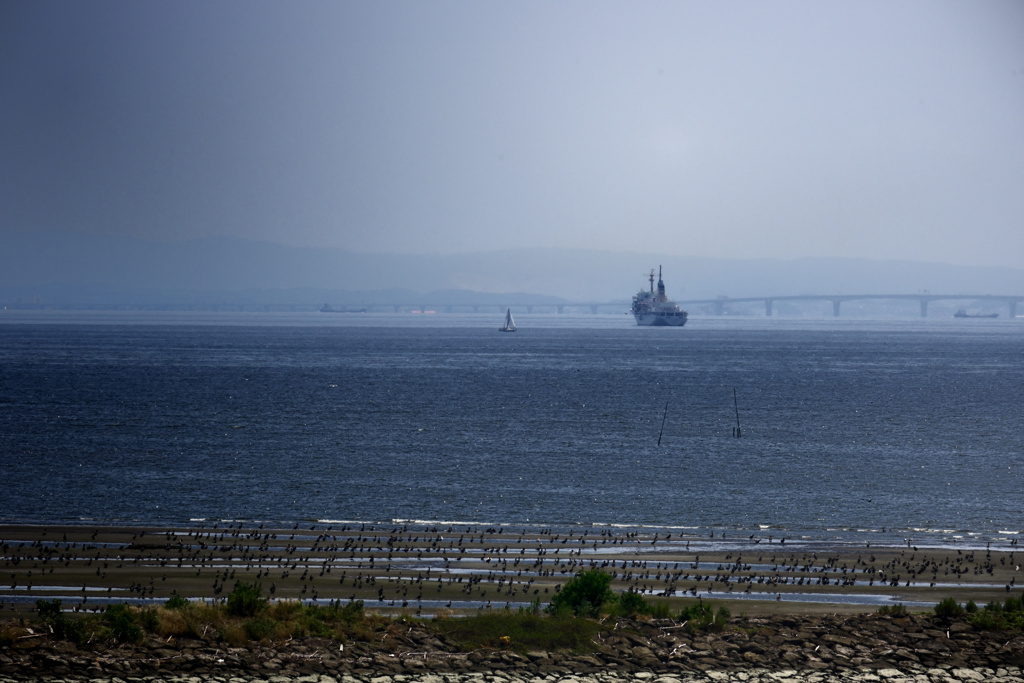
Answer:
(510, 325)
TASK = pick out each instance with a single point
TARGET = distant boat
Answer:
(964, 314)
(327, 308)
(510, 324)
(650, 308)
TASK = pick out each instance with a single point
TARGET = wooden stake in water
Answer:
(663, 423)
(736, 405)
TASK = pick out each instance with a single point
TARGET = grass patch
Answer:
(254, 619)
(996, 616)
(260, 629)
(701, 617)
(897, 610)
(521, 632)
(631, 604)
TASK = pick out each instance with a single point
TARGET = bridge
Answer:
(719, 305)
(923, 300)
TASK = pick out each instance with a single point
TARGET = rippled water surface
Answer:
(847, 428)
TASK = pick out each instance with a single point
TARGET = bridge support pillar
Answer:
(529, 309)
(719, 308)
(1013, 310)
(593, 309)
(768, 307)
(924, 308)
(835, 307)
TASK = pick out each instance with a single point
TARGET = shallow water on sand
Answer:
(850, 429)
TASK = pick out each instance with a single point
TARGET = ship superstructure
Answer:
(652, 307)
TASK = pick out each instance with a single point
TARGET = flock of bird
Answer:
(435, 567)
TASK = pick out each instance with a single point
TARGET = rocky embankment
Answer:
(864, 648)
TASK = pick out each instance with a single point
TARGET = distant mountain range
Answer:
(77, 270)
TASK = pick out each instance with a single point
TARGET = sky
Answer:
(784, 129)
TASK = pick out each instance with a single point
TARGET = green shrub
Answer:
(987, 620)
(352, 612)
(948, 609)
(259, 628)
(534, 607)
(49, 610)
(120, 622)
(697, 610)
(999, 616)
(631, 603)
(584, 594)
(897, 610)
(148, 619)
(312, 625)
(232, 634)
(701, 617)
(176, 602)
(317, 620)
(284, 610)
(60, 626)
(246, 600)
(660, 610)
(199, 619)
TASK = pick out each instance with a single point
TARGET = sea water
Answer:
(850, 429)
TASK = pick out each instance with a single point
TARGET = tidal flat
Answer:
(799, 612)
(430, 569)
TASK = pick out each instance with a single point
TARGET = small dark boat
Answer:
(964, 314)
(327, 308)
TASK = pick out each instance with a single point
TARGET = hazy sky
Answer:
(890, 129)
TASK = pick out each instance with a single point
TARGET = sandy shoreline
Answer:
(425, 569)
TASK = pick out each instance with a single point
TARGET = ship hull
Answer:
(660, 320)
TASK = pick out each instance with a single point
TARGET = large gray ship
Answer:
(654, 308)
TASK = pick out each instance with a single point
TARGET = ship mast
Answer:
(651, 276)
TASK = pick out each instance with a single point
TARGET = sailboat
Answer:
(510, 324)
